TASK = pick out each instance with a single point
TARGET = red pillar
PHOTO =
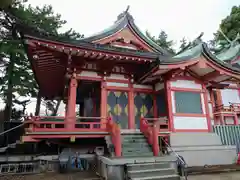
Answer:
(71, 105)
(103, 105)
(131, 115)
(169, 104)
(155, 139)
(235, 119)
(205, 100)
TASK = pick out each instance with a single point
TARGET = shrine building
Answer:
(119, 81)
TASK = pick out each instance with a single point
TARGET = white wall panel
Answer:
(185, 84)
(190, 122)
(230, 95)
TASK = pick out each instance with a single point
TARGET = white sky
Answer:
(179, 18)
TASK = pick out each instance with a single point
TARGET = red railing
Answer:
(87, 124)
(115, 132)
(232, 108)
(58, 124)
(235, 107)
(151, 131)
(162, 123)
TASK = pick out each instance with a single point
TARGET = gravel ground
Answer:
(221, 176)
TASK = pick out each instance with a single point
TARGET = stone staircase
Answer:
(132, 145)
(140, 162)
(152, 171)
(135, 145)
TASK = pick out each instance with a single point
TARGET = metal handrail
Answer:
(183, 163)
(4, 132)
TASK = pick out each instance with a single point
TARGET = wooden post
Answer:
(155, 139)
(118, 144)
(38, 105)
(207, 111)
(235, 119)
(131, 119)
(103, 104)
(71, 107)
(169, 104)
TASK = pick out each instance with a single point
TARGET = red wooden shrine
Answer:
(131, 82)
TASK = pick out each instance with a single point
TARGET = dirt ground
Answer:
(221, 176)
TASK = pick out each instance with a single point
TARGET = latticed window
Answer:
(188, 102)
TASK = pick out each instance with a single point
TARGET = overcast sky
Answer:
(179, 18)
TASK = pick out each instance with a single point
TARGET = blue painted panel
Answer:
(143, 107)
(117, 102)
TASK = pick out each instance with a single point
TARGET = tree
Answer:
(230, 27)
(162, 41)
(6, 3)
(17, 75)
(183, 44)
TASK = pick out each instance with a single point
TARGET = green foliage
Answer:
(162, 41)
(230, 27)
(16, 74)
(6, 3)
(184, 44)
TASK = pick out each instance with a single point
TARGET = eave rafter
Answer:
(48, 66)
(89, 53)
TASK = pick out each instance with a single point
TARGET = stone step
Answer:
(133, 137)
(167, 177)
(131, 140)
(131, 146)
(137, 150)
(143, 154)
(151, 172)
(137, 146)
(145, 166)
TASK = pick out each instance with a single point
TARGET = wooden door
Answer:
(117, 105)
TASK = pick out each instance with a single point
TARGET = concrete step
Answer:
(146, 166)
(167, 177)
(136, 145)
(143, 154)
(137, 150)
(137, 136)
(151, 172)
(132, 140)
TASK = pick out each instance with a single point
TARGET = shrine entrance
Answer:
(143, 107)
(117, 106)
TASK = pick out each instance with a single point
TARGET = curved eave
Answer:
(148, 41)
(210, 56)
(119, 25)
(196, 52)
(231, 54)
(95, 47)
(185, 56)
(201, 62)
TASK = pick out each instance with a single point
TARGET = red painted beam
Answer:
(210, 76)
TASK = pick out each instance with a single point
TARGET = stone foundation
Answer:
(201, 149)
